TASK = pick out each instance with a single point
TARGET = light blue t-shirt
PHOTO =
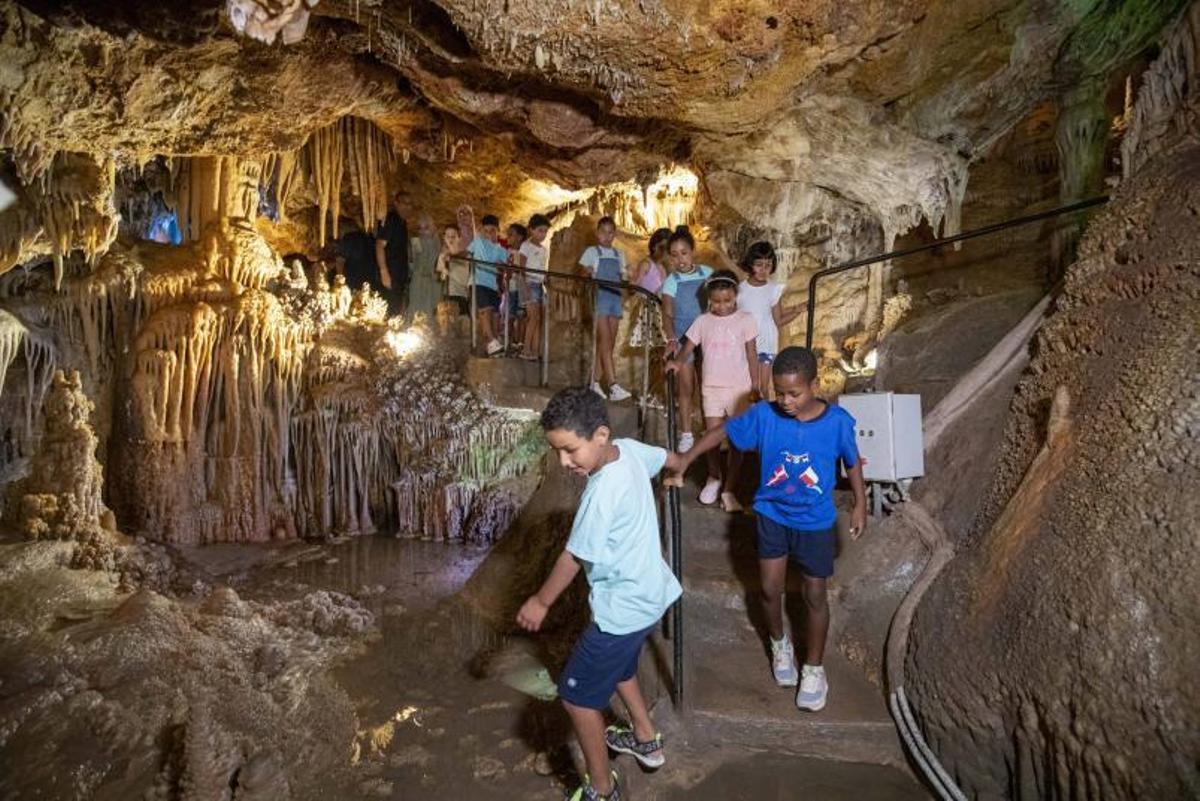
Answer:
(798, 461)
(486, 250)
(615, 535)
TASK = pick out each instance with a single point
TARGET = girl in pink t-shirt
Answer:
(727, 338)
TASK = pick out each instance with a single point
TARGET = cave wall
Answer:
(1055, 655)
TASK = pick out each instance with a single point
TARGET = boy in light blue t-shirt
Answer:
(615, 540)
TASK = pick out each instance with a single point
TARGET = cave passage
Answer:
(339, 337)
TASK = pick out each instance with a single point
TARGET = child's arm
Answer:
(752, 361)
(668, 315)
(682, 461)
(681, 358)
(783, 316)
(534, 610)
(858, 516)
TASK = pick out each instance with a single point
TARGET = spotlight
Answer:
(403, 343)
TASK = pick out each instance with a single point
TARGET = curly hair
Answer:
(575, 409)
(795, 361)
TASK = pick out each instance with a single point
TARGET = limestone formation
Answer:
(1052, 654)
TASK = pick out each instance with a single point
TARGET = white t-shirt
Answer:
(536, 258)
(591, 259)
(759, 301)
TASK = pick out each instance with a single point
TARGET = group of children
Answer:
(615, 539)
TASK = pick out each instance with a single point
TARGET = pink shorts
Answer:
(724, 401)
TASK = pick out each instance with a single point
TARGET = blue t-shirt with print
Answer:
(484, 249)
(799, 461)
(615, 535)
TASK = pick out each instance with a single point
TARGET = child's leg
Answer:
(773, 573)
(612, 323)
(589, 728)
(687, 385)
(733, 466)
(766, 387)
(816, 627)
(631, 695)
(714, 455)
(604, 348)
(533, 329)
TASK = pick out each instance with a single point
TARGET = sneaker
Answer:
(783, 662)
(618, 393)
(585, 791)
(686, 441)
(813, 689)
(494, 347)
(622, 740)
(711, 491)
(596, 388)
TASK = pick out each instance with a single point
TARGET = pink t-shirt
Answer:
(724, 342)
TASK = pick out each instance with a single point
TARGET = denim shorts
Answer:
(812, 550)
(537, 293)
(598, 664)
(608, 302)
(514, 303)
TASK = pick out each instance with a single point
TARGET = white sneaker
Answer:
(813, 689)
(618, 393)
(711, 491)
(686, 441)
(783, 662)
(597, 390)
(494, 347)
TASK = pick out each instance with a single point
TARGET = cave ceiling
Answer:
(869, 105)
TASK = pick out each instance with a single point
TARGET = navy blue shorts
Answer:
(486, 298)
(812, 550)
(598, 664)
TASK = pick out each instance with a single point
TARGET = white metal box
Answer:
(888, 431)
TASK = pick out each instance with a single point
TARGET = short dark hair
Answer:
(575, 409)
(759, 250)
(539, 220)
(520, 230)
(722, 279)
(682, 234)
(490, 219)
(606, 220)
(795, 361)
(659, 236)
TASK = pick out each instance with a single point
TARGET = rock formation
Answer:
(1053, 656)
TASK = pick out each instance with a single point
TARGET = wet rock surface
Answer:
(1053, 653)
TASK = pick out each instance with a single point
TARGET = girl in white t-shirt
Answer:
(762, 297)
(534, 260)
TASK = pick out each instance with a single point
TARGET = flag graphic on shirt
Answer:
(810, 479)
(778, 477)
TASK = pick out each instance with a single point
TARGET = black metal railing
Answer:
(674, 528)
(810, 323)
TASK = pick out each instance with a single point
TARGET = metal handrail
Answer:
(810, 323)
(672, 510)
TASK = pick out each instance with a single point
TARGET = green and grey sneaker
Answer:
(622, 740)
(586, 792)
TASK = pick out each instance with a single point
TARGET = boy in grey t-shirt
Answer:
(615, 540)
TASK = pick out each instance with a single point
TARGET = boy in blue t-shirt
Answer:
(615, 539)
(799, 439)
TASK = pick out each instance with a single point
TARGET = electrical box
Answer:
(887, 428)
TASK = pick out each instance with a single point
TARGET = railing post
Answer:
(474, 334)
(505, 298)
(676, 552)
(545, 343)
(646, 322)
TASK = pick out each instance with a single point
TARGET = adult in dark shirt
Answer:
(356, 252)
(391, 252)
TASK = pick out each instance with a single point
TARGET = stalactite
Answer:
(325, 161)
(209, 189)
